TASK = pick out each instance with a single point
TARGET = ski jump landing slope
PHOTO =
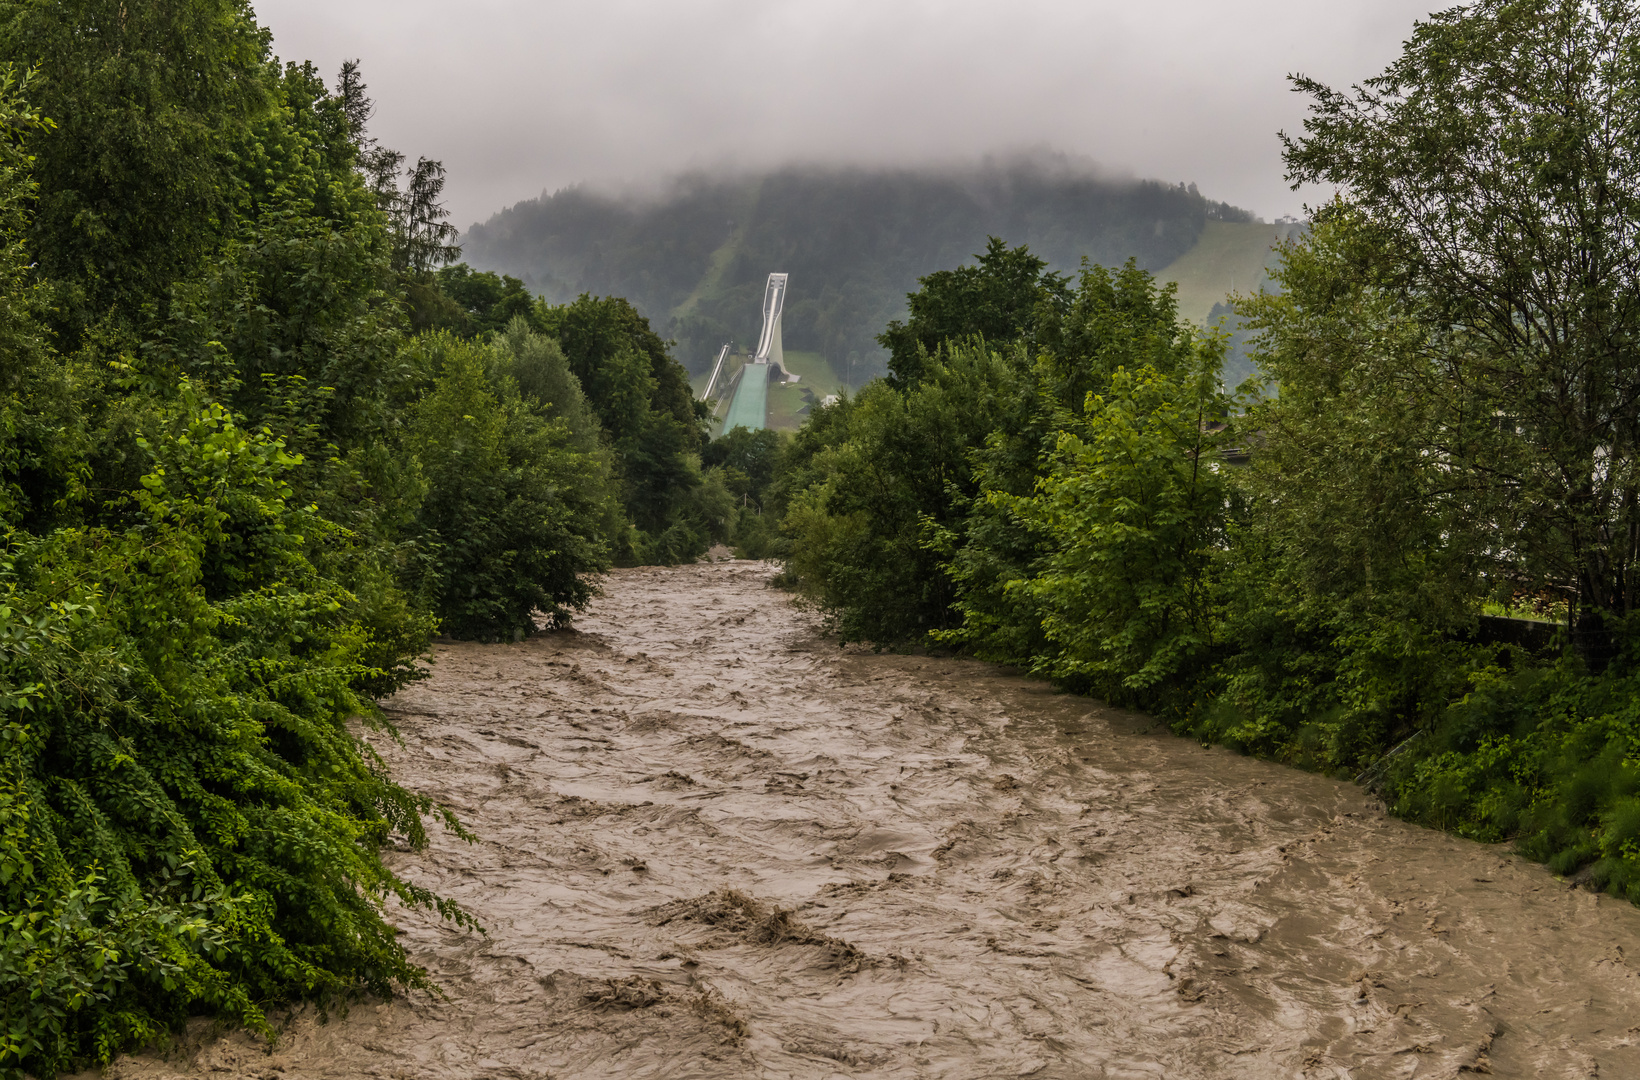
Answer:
(750, 407)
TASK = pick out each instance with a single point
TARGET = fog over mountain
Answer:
(520, 99)
(693, 255)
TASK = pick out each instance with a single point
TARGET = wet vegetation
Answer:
(259, 442)
(1443, 423)
(262, 438)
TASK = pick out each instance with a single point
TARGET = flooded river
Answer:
(712, 844)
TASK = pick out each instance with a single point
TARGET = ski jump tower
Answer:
(750, 406)
(769, 349)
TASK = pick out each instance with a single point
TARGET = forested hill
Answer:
(695, 259)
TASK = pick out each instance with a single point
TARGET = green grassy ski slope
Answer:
(1227, 257)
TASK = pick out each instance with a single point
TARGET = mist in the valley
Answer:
(519, 98)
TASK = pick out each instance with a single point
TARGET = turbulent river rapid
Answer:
(712, 844)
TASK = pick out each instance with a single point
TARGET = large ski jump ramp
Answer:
(750, 407)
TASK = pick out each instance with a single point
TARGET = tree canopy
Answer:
(1488, 178)
(241, 491)
(996, 300)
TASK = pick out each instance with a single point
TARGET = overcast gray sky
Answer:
(519, 97)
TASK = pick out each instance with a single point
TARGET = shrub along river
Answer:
(712, 844)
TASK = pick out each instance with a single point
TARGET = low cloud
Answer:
(517, 98)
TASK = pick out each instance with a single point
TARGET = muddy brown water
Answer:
(715, 845)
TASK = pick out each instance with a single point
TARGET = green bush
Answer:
(513, 518)
(1131, 510)
(187, 820)
(237, 499)
(654, 426)
(893, 468)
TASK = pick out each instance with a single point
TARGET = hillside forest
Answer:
(693, 256)
(262, 436)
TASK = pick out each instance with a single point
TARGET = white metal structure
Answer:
(750, 405)
(717, 371)
(768, 343)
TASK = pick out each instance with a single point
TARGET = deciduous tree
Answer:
(1491, 174)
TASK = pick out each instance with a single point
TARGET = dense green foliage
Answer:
(605, 365)
(888, 486)
(1055, 477)
(189, 822)
(1491, 183)
(152, 158)
(995, 300)
(900, 459)
(653, 421)
(258, 443)
(470, 303)
(748, 462)
(514, 517)
(260, 440)
(694, 258)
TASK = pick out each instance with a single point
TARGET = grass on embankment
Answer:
(1227, 258)
(785, 400)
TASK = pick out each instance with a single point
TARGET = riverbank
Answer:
(711, 844)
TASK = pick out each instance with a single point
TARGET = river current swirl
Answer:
(713, 844)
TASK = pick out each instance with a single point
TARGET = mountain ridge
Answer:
(694, 256)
